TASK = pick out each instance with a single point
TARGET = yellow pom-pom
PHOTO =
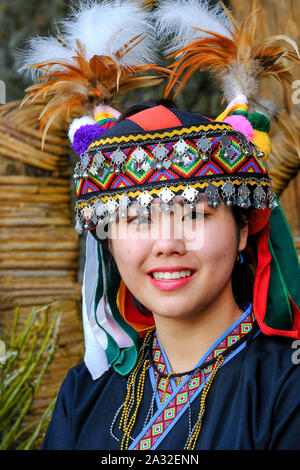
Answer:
(263, 142)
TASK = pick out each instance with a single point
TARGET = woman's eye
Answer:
(194, 215)
(139, 220)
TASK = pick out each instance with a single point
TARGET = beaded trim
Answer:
(103, 209)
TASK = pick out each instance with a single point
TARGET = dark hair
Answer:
(242, 277)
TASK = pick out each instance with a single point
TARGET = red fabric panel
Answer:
(260, 290)
(155, 118)
(134, 316)
(262, 277)
(258, 219)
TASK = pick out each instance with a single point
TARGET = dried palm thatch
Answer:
(39, 247)
(284, 162)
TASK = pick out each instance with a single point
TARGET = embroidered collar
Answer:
(172, 400)
(235, 333)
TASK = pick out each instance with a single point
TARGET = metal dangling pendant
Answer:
(79, 226)
(204, 148)
(226, 147)
(243, 194)
(160, 153)
(259, 197)
(190, 195)
(97, 165)
(88, 214)
(166, 197)
(228, 193)
(246, 146)
(85, 160)
(118, 160)
(213, 195)
(271, 198)
(124, 203)
(139, 157)
(180, 156)
(77, 172)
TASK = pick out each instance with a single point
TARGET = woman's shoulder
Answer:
(276, 348)
(274, 359)
(79, 376)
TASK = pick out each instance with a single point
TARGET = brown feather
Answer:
(82, 85)
(218, 54)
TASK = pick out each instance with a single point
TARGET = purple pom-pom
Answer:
(85, 135)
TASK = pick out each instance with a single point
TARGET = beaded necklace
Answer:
(136, 383)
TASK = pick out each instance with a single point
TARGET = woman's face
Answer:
(203, 242)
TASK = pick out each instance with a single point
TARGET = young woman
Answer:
(169, 298)
(191, 280)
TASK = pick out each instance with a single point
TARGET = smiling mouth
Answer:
(171, 276)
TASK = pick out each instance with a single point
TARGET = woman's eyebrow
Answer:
(202, 199)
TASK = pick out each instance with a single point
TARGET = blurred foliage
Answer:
(20, 20)
(29, 351)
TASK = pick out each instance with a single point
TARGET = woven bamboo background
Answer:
(39, 247)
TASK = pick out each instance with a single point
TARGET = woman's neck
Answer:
(186, 339)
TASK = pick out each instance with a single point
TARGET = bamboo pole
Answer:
(18, 283)
(53, 198)
(41, 246)
(33, 180)
(23, 221)
(30, 189)
(32, 138)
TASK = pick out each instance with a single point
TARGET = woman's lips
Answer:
(171, 284)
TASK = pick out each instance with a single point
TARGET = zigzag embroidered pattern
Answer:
(186, 392)
(176, 188)
(159, 135)
(195, 167)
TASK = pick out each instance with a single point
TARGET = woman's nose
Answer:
(167, 238)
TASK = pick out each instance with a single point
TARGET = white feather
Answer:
(40, 49)
(177, 19)
(103, 28)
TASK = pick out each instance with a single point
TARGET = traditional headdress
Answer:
(162, 152)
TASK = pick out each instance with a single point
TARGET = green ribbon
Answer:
(284, 273)
(123, 359)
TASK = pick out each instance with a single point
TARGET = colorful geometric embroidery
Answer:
(238, 162)
(186, 392)
(160, 364)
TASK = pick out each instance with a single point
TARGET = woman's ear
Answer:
(243, 237)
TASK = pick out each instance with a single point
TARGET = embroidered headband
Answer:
(163, 152)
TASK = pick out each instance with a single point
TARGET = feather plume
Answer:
(179, 18)
(100, 49)
(230, 53)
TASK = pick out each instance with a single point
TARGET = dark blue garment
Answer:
(253, 404)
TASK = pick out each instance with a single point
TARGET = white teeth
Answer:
(170, 276)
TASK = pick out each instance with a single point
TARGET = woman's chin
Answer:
(173, 312)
